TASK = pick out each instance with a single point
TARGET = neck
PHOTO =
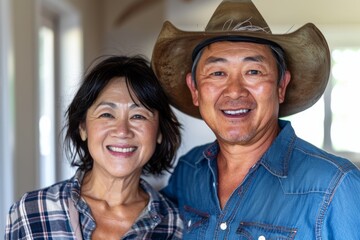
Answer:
(241, 157)
(113, 191)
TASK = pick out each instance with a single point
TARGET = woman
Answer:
(119, 125)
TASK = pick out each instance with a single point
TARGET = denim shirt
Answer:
(295, 191)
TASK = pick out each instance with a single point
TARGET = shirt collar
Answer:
(153, 207)
(75, 185)
(275, 159)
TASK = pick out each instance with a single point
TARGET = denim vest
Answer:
(295, 191)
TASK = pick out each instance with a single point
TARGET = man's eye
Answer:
(217, 74)
(253, 72)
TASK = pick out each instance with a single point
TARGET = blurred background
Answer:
(46, 45)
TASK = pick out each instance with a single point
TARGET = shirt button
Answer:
(262, 238)
(189, 223)
(223, 226)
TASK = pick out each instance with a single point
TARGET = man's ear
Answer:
(191, 85)
(283, 85)
(82, 131)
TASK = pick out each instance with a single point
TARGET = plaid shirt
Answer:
(44, 214)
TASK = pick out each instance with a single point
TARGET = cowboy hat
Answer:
(306, 52)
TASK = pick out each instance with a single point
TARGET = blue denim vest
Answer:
(295, 191)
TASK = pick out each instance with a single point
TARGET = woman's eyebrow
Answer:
(104, 103)
(114, 105)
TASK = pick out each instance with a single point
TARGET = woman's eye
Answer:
(138, 116)
(106, 115)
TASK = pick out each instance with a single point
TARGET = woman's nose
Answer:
(122, 128)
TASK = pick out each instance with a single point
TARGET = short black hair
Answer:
(141, 79)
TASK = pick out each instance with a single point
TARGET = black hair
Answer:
(141, 79)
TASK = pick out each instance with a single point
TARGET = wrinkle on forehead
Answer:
(251, 52)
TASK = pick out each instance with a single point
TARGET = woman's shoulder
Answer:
(50, 196)
(39, 213)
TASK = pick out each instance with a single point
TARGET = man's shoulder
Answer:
(321, 158)
(318, 169)
(195, 154)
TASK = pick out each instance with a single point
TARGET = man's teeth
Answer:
(122, 150)
(235, 112)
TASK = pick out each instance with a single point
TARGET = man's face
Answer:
(237, 91)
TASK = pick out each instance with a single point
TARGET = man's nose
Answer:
(236, 87)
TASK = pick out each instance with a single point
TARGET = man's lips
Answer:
(236, 112)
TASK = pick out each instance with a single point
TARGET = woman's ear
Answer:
(82, 131)
(159, 138)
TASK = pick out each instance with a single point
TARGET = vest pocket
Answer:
(252, 230)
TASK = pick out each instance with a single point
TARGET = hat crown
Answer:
(306, 53)
(240, 15)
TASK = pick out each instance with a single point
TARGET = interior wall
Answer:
(138, 34)
(25, 61)
(102, 34)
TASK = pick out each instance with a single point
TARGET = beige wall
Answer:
(25, 59)
(103, 35)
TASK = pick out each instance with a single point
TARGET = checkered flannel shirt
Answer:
(44, 214)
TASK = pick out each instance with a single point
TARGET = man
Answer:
(258, 180)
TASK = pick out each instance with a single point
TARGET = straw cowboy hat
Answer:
(306, 52)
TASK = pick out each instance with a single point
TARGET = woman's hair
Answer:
(142, 81)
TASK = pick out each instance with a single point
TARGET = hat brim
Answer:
(306, 51)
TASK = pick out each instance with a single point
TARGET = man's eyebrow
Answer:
(215, 60)
(255, 58)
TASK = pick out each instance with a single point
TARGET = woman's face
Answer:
(121, 134)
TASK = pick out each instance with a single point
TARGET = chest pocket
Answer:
(195, 219)
(258, 231)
